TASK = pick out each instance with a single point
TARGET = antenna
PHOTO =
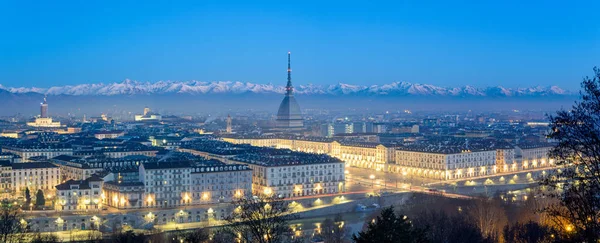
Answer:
(289, 89)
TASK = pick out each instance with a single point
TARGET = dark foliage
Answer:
(27, 196)
(11, 229)
(389, 227)
(45, 238)
(197, 236)
(531, 232)
(576, 186)
(40, 200)
(333, 230)
(442, 227)
(263, 219)
(128, 237)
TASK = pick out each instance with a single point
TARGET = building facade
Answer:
(220, 183)
(35, 176)
(27, 151)
(167, 184)
(79, 195)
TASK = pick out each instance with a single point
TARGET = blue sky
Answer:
(446, 43)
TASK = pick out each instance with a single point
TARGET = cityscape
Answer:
(295, 161)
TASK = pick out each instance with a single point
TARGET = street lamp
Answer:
(372, 177)
(268, 191)
(569, 228)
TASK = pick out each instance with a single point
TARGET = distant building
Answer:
(289, 115)
(341, 128)
(31, 150)
(380, 128)
(228, 129)
(429, 122)
(69, 130)
(359, 127)
(148, 116)
(108, 134)
(44, 120)
(44, 109)
(12, 134)
(326, 130)
(167, 142)
(121, 152)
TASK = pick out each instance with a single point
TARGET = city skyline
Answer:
(514, 45)
(403, 121)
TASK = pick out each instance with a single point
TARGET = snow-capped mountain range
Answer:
(129, 87)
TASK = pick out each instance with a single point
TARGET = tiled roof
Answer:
(166, 165)
(33, 165)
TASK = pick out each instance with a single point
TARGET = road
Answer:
(378, 181)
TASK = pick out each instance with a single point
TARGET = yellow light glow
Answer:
(569, 228)
(268, 191)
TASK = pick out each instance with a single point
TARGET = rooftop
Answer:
(33, 165)
(259, 155)
(166, 165)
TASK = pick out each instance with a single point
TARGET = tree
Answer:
(45, 238)
(11, 227)
(576, 185)
(440, 226)
(390, 228)
(93, 237)
(264, 219)
(40, 200)
(128, 237)
(333, 230)
(489, 216)
(197, 236)
(531, 232)
(27, 196)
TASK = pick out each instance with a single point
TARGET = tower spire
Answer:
(289, 89)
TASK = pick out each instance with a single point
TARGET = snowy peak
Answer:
(130, 87)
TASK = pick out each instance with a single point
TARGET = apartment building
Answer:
(35, 175)
(79, 195)
(166, 184)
